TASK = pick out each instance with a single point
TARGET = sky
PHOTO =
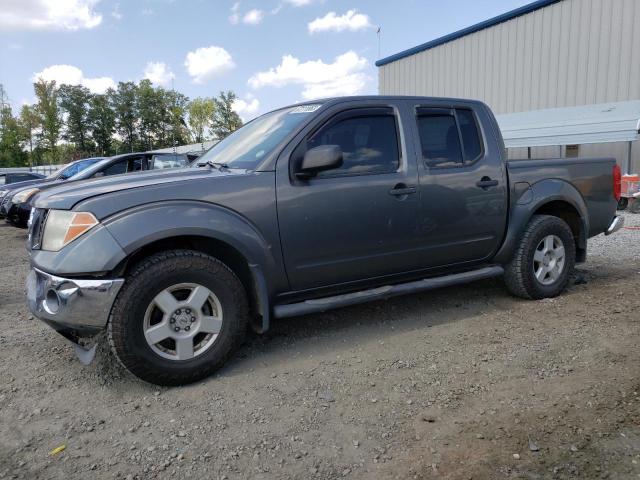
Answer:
(269, 52)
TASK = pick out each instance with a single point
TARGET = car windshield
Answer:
(72, 169)
(248, 146)
(88, 172)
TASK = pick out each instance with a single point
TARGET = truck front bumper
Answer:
(616, 224)
(74, 307)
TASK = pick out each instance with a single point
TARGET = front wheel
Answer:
(543, 260)
(178, 317)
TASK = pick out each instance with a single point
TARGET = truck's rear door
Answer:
(463, 183)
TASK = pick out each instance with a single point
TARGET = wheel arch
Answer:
(215, 231)
(553, 197)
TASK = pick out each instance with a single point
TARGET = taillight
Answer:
(617, 182)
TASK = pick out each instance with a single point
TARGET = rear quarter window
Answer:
(471, 140)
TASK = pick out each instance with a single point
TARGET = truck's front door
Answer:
(357, 221)
(463, 189)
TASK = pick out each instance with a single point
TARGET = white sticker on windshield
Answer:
(306, 108)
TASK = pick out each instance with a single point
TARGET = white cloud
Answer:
(342, 77)
(115, 13)
(234, 18)
(247, 106)
(48, 14)
(159, 73)
(299, 3)
(352, 20)
(253, 17)
(70, 75)
(206, 63)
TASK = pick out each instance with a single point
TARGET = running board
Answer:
(380, 293)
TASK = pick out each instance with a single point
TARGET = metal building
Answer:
(548, 54)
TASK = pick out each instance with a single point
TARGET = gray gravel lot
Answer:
(464, 382)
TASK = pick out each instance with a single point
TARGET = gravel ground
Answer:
(465, 382)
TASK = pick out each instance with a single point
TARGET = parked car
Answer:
(307, 208)
(14, 177)
(19, 207)
(64, 173)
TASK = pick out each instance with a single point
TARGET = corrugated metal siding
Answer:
(575, 52)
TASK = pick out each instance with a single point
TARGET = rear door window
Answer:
(448, 137)
(439, 139)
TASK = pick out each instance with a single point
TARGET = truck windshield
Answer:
(248, 146)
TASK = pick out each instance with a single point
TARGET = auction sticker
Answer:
(306, 108)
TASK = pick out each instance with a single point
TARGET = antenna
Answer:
(379, 39)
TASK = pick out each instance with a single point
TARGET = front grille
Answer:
(36, 227)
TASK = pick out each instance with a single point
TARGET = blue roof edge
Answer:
(531, 7)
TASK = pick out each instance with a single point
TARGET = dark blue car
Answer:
(7, 191)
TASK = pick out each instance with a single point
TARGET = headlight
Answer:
(63, 227)
(24, 195)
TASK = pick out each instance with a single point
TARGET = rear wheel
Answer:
(178, 317)
(543, 260)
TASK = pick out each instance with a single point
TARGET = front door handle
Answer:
(401, 190)
(486, 182)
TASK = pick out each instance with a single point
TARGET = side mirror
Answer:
(319, 159)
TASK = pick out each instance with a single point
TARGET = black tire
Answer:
(623, 203)
(148, 278)
(519, 274)
(635, 206)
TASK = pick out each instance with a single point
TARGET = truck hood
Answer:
(66, 195)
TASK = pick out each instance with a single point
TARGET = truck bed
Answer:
(592, 177)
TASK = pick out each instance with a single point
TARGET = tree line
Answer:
(68, 122)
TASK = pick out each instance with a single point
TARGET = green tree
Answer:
(30, 122)
(48, 111)
(200, 112)
(11, 136)
(74, 100)
(175, 130)
(101, 120)
(150, 108)
(125, 106)
(225, 120)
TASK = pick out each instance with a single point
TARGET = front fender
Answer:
(139, 226)
(531, 200)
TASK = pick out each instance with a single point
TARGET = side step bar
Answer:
(337, 301)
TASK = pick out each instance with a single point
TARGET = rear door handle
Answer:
(486, 182)
(401, 189)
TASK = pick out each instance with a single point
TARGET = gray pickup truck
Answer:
(307, 208)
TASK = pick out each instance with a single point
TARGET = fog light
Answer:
(52, 302)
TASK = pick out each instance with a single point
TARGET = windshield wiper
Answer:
(218, 165)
